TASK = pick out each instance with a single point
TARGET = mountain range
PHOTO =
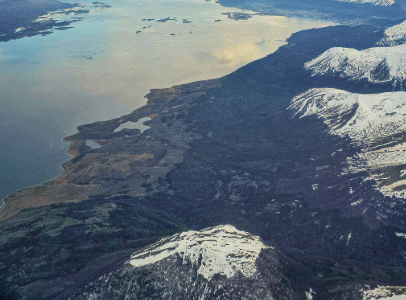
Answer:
(282, 180)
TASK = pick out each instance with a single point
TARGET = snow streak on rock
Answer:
(373, 2)
(218, 250)
(377, 65)
(375, 122)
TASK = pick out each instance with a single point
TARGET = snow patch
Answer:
(217, 250)
(357, 202)
(385, 293)
(309, 294)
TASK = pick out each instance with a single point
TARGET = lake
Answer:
(103, 67)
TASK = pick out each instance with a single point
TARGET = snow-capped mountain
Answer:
(373, 2)
(215, 263)
(222, 263)
(375, 122)
(376, 65)
(395, 35)
(219, 250)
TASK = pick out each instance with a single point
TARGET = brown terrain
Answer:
(126, 161)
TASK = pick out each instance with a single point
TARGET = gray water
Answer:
(102, 68)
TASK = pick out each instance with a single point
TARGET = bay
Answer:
(103, 67)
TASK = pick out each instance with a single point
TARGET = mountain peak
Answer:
(376, 65)
(366, 118)
(373, 122)
(220, 250)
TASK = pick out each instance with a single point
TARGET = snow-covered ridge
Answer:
(371, 121)
(377, 65)
(365, 118)
(373, 2)
(222, 250)
(395, 35)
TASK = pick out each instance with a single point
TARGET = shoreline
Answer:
(145, 106)
(2, 200)
(224, 151)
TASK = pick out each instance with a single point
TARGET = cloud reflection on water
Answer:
(238, 54)
(134, 63)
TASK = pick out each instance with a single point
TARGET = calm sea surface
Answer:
(103, 67)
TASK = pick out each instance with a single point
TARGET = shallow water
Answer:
(102, 69)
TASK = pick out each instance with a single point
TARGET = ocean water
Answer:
(103, 67)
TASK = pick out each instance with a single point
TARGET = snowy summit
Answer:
(365, 118)
(377, 65)
(217, 250)
(372, 121)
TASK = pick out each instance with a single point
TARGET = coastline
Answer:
(78, 147)
(217, 152)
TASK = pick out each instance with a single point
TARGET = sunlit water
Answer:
(102, 68)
